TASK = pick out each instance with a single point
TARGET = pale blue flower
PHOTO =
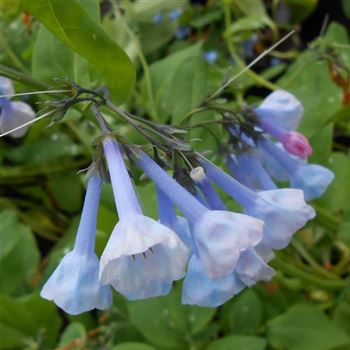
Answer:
(13, 113)
(281, 109)
(182, 32)
(199, 289)
(142, 257)
(158, 18)
(175, 14)
(74, 285)
(233, 232)
(284, 211)
(313, 179)
(211, 56)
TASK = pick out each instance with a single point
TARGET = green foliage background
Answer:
(305, 307)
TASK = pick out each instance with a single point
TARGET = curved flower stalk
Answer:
(284, 211)
(233, 232)
(313, 179)
(142, 257)
(13, 113)
(74, 285)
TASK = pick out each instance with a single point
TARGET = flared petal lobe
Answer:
(74, 285)
(284, 211)
(142, 251)
(199, 289)
(221, 236)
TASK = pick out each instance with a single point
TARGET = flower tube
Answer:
(74, 285)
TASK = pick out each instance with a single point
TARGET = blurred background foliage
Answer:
(179, 52)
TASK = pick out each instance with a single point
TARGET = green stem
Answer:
(326, 219)
(12, 56)
(227, 37)
(145, 67)
(22, 78)
(307, 278)
(311, 261)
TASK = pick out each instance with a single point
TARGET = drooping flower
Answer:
(219, 236)
(313, 179)
(142, 257)
(199, 289)
(281, 109)
(13, 113)
(74, 285)
(284, 211)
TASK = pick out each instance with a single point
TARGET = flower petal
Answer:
(74, 285)
(139, 251)
(313, 179)
(199, 289)
(221, 235)
(284, 211)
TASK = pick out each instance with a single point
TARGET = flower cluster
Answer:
(12, 113)
(216, 252)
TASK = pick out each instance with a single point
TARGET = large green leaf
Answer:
(71, 23)
(64, 63)
(19, 257)
(238, 342)
(133, 346)
(304, 327)
(26, 319)
(166, 323)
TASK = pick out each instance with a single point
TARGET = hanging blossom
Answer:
(74, 285)
(221, 241)
(142, 257)
(13, 113)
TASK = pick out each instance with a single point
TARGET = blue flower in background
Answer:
(158, 18)
(182, 32)
(74, 285)
(211, 56)
(142, 257)
(13, 113)
(175, 14)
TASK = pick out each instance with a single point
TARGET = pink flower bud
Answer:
(297, 144)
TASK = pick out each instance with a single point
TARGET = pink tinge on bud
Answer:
(297, 144)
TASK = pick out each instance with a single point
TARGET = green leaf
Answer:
(27, 318)
(67, 191)
(243, 314)
(20, 258)
(74, 331)
(304, 327)
(346, 7)
(133, 346)
(238, 342)
(166, 323)
(179, 83)
(187, 89)
(64, 62)
(71, 23)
